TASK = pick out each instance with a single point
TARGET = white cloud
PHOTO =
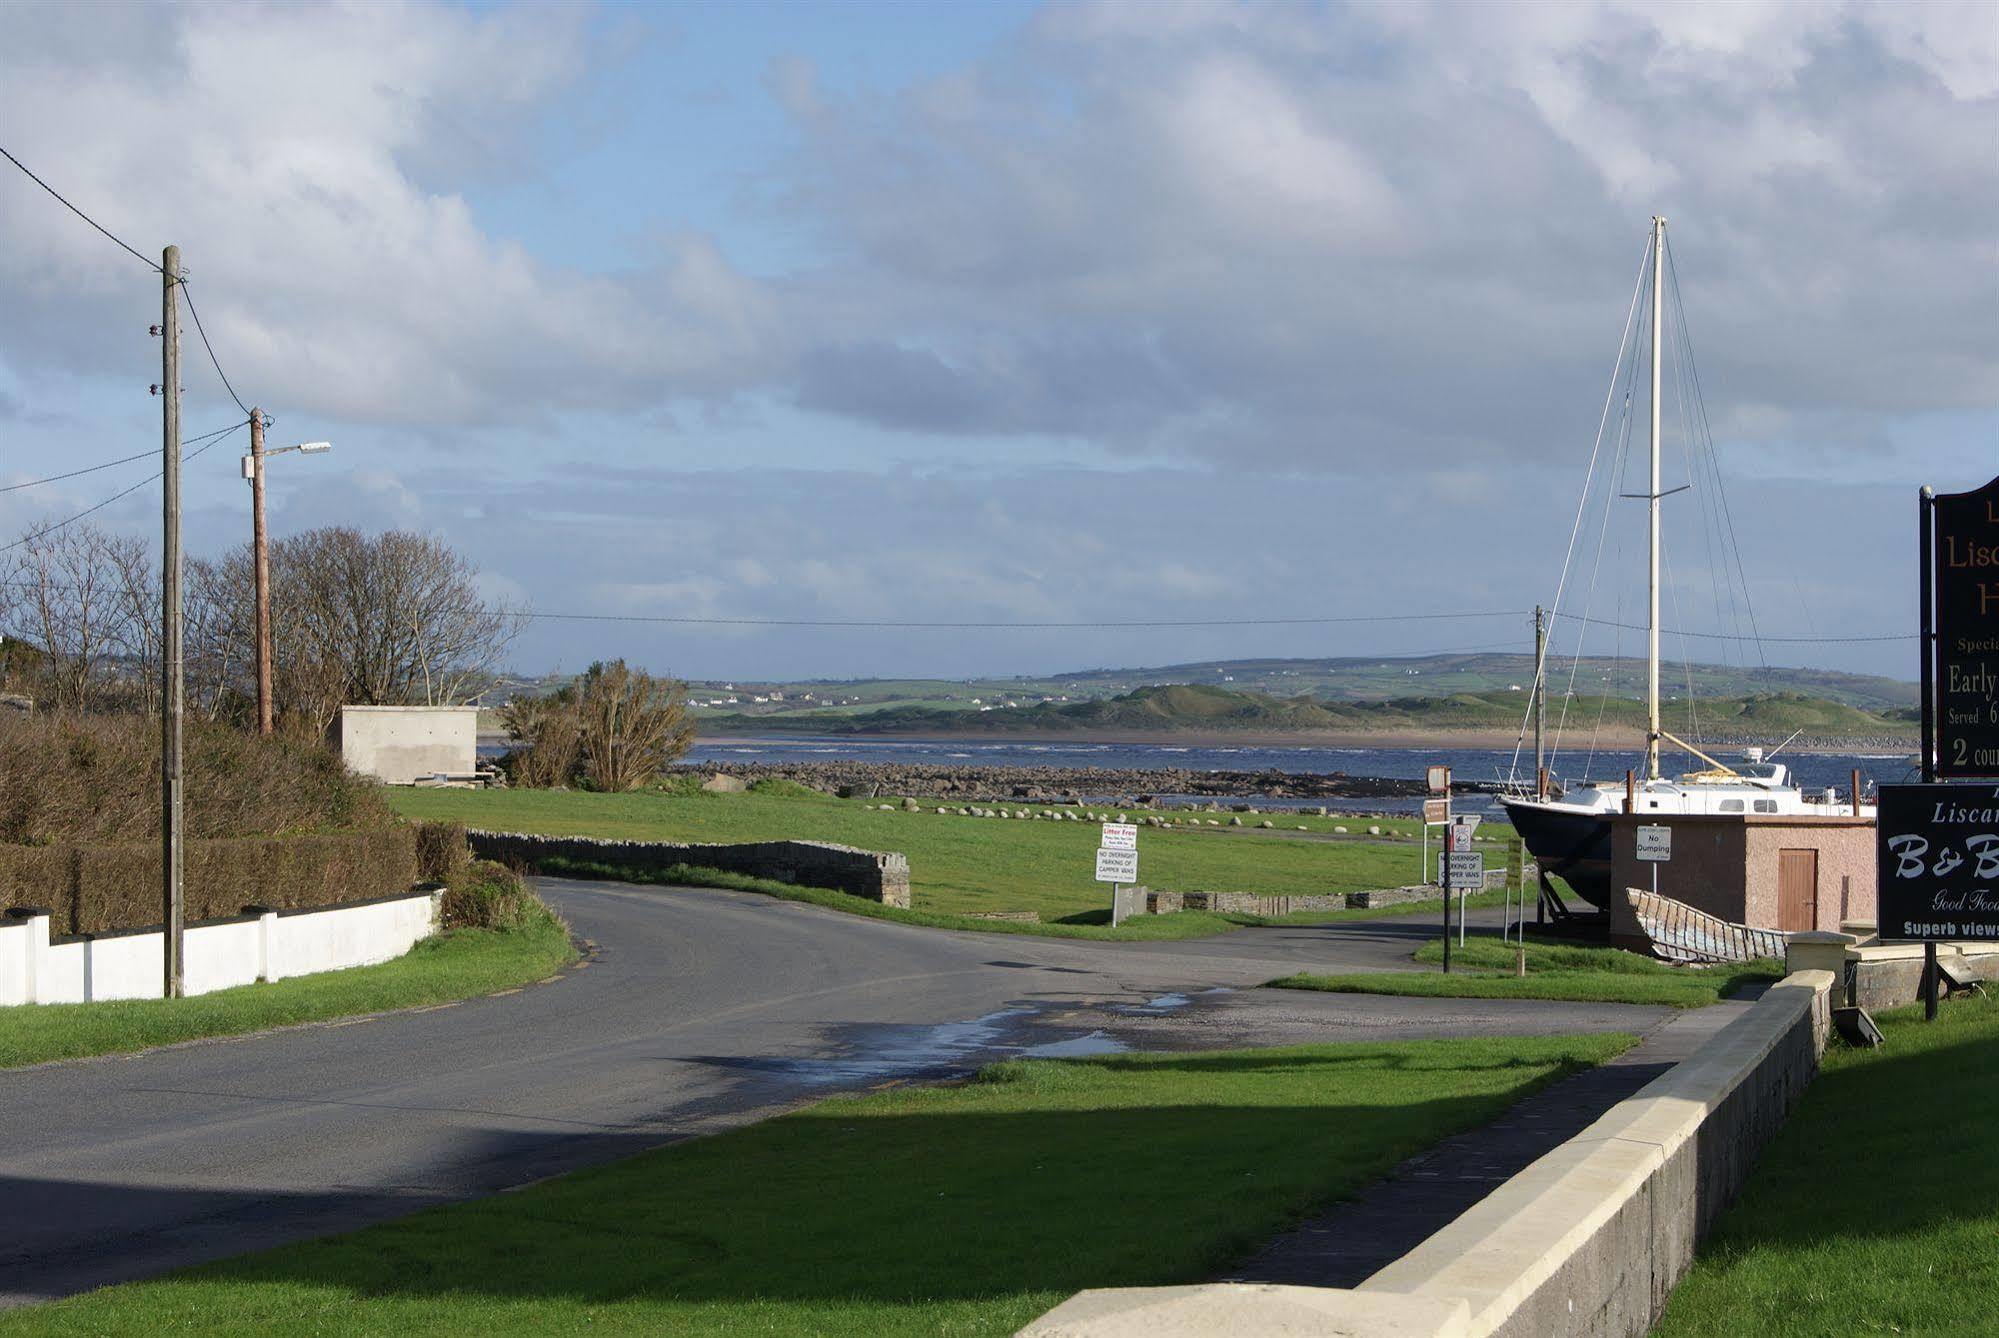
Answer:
(289, 149)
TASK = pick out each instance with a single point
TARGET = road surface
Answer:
(696, 1010)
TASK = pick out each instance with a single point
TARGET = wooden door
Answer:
(1797, 890)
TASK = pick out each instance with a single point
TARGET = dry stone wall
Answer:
(881, 876)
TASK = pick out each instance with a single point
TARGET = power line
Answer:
(110, 464)
(1140, 623)
(151, 265)
(1733, 636)
(117, 496)
(181, 279)
(189, 296)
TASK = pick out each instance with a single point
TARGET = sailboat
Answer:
(1569, 833)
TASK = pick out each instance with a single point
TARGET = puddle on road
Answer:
(1076, 1047)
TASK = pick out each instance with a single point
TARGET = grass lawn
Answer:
(451, 966)
(966, 1209)
(1876, 1210)
(1094, 924)
(1483, 968)
(957, 864)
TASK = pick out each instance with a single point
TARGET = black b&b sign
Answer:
(1937, 861)
(1966, 565)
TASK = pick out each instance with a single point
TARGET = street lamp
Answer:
(253, 470)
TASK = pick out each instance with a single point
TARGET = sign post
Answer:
(1439, 778)
(1936, 872)
(1467, 870)
(1655, 847)
(1117, 861)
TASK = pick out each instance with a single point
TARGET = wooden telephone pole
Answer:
(173, 904)
(262, 560)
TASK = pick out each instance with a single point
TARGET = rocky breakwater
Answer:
(1124, 787)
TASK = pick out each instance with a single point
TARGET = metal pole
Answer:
(261, 560)
(1652, 624)
(1540, 686)
(1445, 856)
(1926, 512)
(170, 630)
(1925, 597)
(1929, 980)
(1447, 913)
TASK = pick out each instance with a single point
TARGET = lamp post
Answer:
(253, 470)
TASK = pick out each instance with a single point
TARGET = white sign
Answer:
(1465, 872)
(1655, 843)
(1117, 866)
(1462, 826)
(1120, 836)
(1440, 780)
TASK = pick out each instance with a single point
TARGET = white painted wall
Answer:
(219, 956)
(403, 744)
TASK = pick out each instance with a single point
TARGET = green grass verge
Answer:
(451, 966)
(955, 1210)
(957, 864)
(1483, 968)
(1876, 1210)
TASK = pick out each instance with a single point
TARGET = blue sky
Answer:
(1017, 313)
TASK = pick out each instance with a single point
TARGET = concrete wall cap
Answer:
(1828, 937)
(1249, 1310)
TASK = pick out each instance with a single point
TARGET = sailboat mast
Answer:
(1652, 581)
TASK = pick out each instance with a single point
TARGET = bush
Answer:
(487, 895)
(442, 851)
(95, 780)
(614, 729)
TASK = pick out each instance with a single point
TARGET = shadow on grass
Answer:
(1035, 1179)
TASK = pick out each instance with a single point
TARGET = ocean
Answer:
(1809, 770)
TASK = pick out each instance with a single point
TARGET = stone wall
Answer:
(1251, 903)
(1587, 1241)
(873, 875)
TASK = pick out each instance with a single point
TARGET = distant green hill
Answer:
(1194, 707)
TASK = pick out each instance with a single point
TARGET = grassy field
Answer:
(1876, 1210)
(957, 1210)
(452, 966)
(957, 864)
(1483, 968)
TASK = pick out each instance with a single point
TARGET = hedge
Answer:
(95, 889)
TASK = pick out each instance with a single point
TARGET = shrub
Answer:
(442, 851)
(487, 895)
(96, 889)
(95, 780)
(616, 728)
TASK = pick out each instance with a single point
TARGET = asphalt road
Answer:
(697, 1010)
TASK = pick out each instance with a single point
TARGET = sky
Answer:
(1086, 313)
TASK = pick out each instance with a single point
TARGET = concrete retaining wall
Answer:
(269, 945)
(1589, 1240)
(1884, 975)
(876, 876)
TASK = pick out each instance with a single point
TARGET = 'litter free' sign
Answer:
(1937, 861)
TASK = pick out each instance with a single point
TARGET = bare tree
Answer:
(66, 601)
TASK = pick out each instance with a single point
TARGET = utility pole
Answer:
(1540, 691)
(261, 558)
(170, 631)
